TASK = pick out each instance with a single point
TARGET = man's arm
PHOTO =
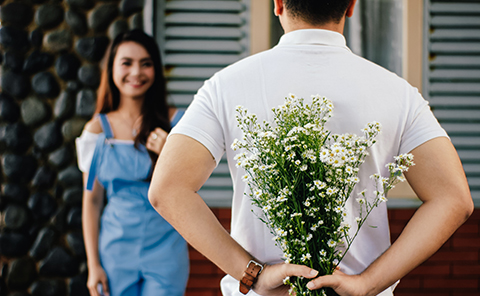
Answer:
(439, 181)
(183, 167)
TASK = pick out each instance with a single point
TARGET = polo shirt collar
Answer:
(314, 37)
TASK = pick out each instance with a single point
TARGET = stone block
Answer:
(34, 111)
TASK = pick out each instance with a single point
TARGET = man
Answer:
(312, 58)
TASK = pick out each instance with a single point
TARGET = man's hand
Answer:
(270, 281)
(341, 283)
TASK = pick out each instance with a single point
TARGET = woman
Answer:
(134, 251)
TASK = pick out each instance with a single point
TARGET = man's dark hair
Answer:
(317, 12)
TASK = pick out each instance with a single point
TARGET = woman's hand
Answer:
(96, 275)
(156, 140)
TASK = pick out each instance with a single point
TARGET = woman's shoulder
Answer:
(94, 125)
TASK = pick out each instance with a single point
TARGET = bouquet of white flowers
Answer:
(301, 176)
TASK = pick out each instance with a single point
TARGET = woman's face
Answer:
(133, 72)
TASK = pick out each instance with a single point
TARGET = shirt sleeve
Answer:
(421, 126)
(200, 121)
(85, 145)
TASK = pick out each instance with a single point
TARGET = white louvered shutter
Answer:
(197, 39)
(452, 77)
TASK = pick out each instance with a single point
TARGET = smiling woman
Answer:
(133, 71)
(135, 251)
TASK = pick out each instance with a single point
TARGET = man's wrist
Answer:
(250, 276)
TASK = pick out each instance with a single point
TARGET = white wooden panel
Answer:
(183, 86)
(201, 59)
(208, 6)
(455, 61)
(201, 73)
(462, 129)
(450, 101)
(455, 8)
(211, 46)
(455, 21)
(455, 34)
(196, 19)
(452, 87)
(458, 115)
(456, 74)
(455, 47)
(470, 156)
(204, 33)
(467, 142)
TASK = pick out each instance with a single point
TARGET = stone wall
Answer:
(50, 53)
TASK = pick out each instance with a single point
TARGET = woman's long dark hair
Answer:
(154, 109)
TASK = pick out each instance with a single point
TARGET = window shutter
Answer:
(197, 39)
(452, 77)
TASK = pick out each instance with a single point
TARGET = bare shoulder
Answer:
(94, 126)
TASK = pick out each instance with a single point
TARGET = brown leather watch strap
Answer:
(250, 276)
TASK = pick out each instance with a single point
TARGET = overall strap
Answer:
(176, 117)
(107, 128)
(92, 172)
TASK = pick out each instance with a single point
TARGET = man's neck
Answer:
(300, 25)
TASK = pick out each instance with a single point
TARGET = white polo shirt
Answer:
(305, 63)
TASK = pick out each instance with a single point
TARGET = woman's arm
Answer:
(91, 210)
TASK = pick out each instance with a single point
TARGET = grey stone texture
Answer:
(15, 137)
(50, 54)
(129, 7)
(14, 38)
(136, 21)
(72, 128)
(118, 27)
(58, 41)
(49, 16)
(82, 4)
(21, 274)
(14, 244)
(42, 205)
(61, 157)
(13, 60)
(9, 110)
(18, 168)
(89, 75)
(37, 61)
(44, 242)
(45, 85)
(102, 16)
(58, 262)
(16, 85)
(49, 287)
(34, 111)
(16, 217)
(18, 14)
(15, 193)
(36, 38)
(48, 137)
(64, 105)
(67, 66)
(77, 22)
(86, 100)
(92, 48)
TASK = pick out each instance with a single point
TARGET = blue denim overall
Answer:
(140, 252)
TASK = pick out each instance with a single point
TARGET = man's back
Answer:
(305, 63)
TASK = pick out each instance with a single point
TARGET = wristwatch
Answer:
(250, 276)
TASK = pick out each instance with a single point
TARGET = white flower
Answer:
(323, 253)
(309, 237)
(306, 257)
(360, 200)
(331, 243)
(303, 167)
